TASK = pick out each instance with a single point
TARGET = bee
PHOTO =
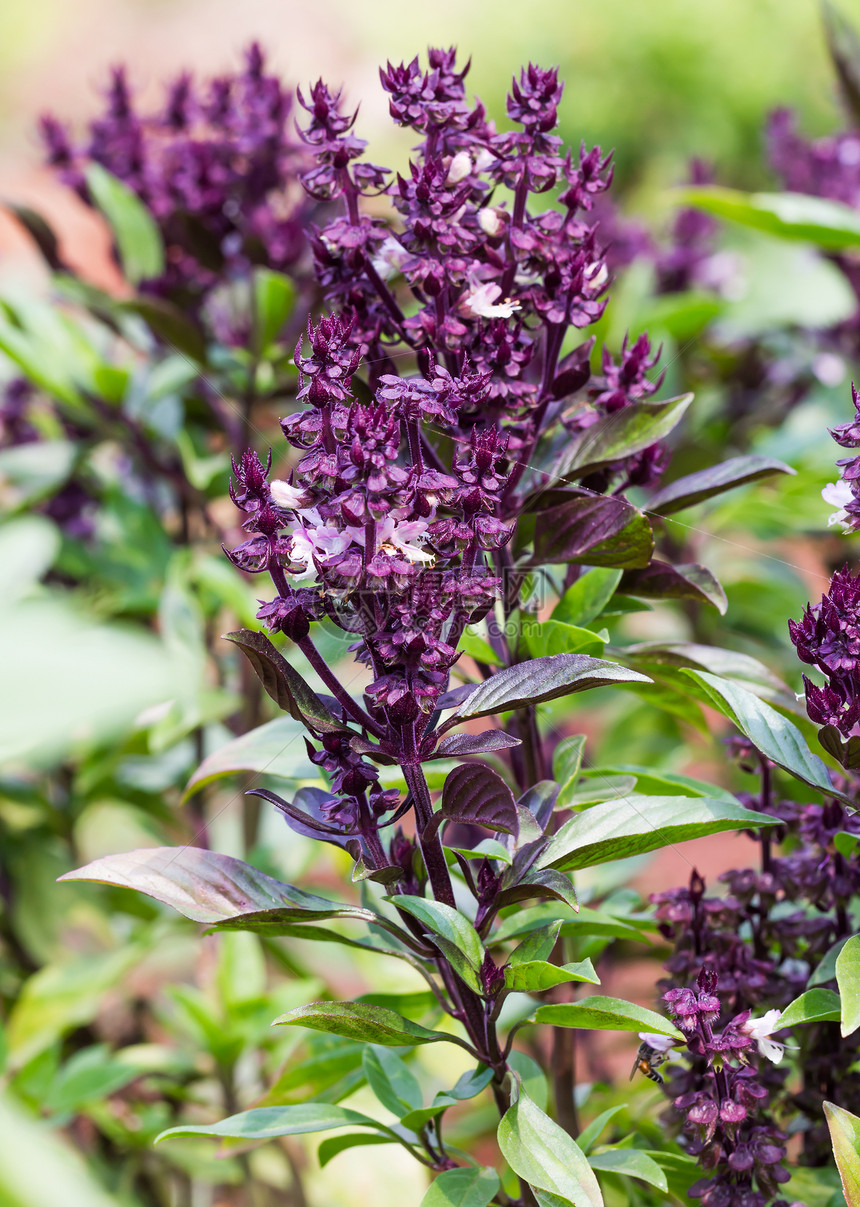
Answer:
(646, 1058)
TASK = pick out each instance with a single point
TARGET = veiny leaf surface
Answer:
(441, 920)
(588, 596)
(635, 824)
(598, 529)
(473, 1186)
(848, 980)
(361, 1021)
(662, 581)
(626, 431)
(814, 1006)
(770, 732)
(476, 794)
(284, 684)
(536, 976)
(633, 1163)
(266, 1122)
(460, 744)
(202, 885)
(706, 483)
(845, 1138)
(606, 1014)
(545, 1156)
(543, 679)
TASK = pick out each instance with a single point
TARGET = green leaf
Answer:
(443, 921)
(90, 1075)
(205, 886)
(284, 684)
(274, 300)
(633, 1163)
(538, 945)
(845, 1138)
(545, 1156)
(567, 759)
(542, 679)
(392, 1081)
(635, 824)
(545, 637)
(825, 970)
(771, 733)
(138, 239)
(266, 1122)
(170, 324)
(848, 980)
(589, 1135)
(358, 1020)
(694, 488)
(276, 748)
(845, 842)
(333, 1145)
(796, 216)
(474, 1186)
(606, 1014)
(476, 647)
(814, 1006)
(589, 595)
(624, 432)
(536, 976)
(472, 1083)
(587, 923)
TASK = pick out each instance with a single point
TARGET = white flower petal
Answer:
(287, 496)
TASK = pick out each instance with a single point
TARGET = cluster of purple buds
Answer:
(215, 165)
(369, 530)
(487, 289)
(828, 637)
(739, 1152)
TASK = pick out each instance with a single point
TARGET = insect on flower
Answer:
(646, 1058)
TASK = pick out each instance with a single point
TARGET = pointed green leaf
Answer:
(845, 1138)
(634, 824)
(633, 1163)
(626, 431)
(545, 1156)
(770, 732)
(797, 216)
(606, 1014)
(814, 1006)
(276, 748)
(590, 1134)
(538, 945)
(333, 1145)
(358, 1020)
(474, 1186)
(536, 976)
(694, 488)
(848, 980)
(392, 1081)
(266, 1122)
(138, 239)
(589, 595)
(444, 921)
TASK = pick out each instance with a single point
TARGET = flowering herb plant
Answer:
(457, 444)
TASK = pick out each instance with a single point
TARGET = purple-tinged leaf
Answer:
(694, 488)
(847, 753)
(202, 885)
(597, 529)
(458, 745)
(540, 800)
(42, 234)
(845, 1138)
(304, 814)
(170, 323)
(662, 581)
(636, 824)
(360, 1021)
(456, 696)
(542, 679)
(477, 795)
(621, 434)
(540, 885)
(284, 684)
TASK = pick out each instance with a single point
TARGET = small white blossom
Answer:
(312, 538)
(760, 1029)
(838, 494)
(489, 220)
(390, 258)
(482, 301)
(461, 166)
(403, 536)
(289, 497)
(657, 1043)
